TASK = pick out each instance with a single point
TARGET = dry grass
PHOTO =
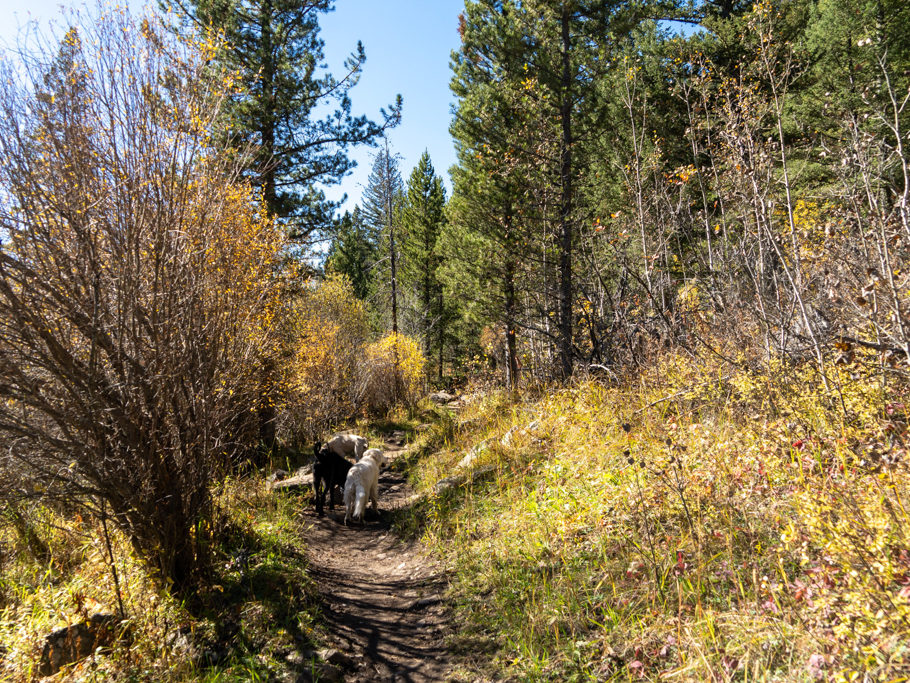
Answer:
(251, 623)
(747, 528)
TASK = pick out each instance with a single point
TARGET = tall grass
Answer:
(701, 524)
(255, 612)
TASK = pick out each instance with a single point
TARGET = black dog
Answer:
(329, 471)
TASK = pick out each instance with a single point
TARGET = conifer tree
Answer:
(570, 41)
(540, 59)
(275, 47)
(354, 251)
(423, 214)
(382, 199)
(484, 241)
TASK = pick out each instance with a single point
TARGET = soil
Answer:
(382, 596)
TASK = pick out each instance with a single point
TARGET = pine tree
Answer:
(539, 62)
(483, 248)
(492, 223)
(570, 41)
(381, 204)
(422, 217)
(276, 48)
(354, 252)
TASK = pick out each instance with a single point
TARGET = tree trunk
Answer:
(565, 209)
(442, 334)
(391, 227)
(394, 265)
(269, 190)
(511, 346)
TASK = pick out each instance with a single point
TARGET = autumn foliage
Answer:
(393, 372)
(707, 523)
(136, 306)
(329, 328)
(336, 372)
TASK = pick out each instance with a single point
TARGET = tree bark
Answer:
(511, 346)
(269, 190)
(392, 255)
(565, 209)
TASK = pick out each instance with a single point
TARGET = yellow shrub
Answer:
(335, 373)
(393, 372)
(329, 332)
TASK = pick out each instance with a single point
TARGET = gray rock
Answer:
(472, 455)
(337, 658)
(296, 658)
(449, 483)
(72, 643)
(442, 397)
(461, 479)
(181, 641)
(276, 476)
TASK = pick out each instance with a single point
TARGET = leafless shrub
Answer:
(134, 286)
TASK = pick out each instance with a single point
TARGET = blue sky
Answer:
(407, 43)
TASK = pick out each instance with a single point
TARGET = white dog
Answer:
(346, 445)
(362, 481)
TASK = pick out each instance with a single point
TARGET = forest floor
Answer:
(382, 596)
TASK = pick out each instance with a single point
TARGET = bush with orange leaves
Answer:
(136, 294)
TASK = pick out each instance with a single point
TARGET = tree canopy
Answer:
(275, 48)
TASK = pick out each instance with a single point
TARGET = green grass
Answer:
(698, 545)
(257, 609)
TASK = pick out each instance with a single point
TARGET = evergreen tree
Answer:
(540, 61)
(859, 52)
(494, 224)
(276, 48)
(381, 204)
(481, 271)
(572, 41)
(354, 252)
(422, 217)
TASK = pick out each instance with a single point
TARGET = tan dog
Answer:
(362, 481)
(346, 445)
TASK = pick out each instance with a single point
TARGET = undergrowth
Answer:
(701, 524)
(255, 619)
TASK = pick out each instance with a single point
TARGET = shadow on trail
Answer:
(381, 595)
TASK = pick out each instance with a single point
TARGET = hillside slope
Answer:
(701, 524)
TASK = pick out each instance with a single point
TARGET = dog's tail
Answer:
(360, 502)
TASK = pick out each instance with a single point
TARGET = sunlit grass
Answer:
(256, 609)
(745, 528)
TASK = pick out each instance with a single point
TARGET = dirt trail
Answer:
(382, 597)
